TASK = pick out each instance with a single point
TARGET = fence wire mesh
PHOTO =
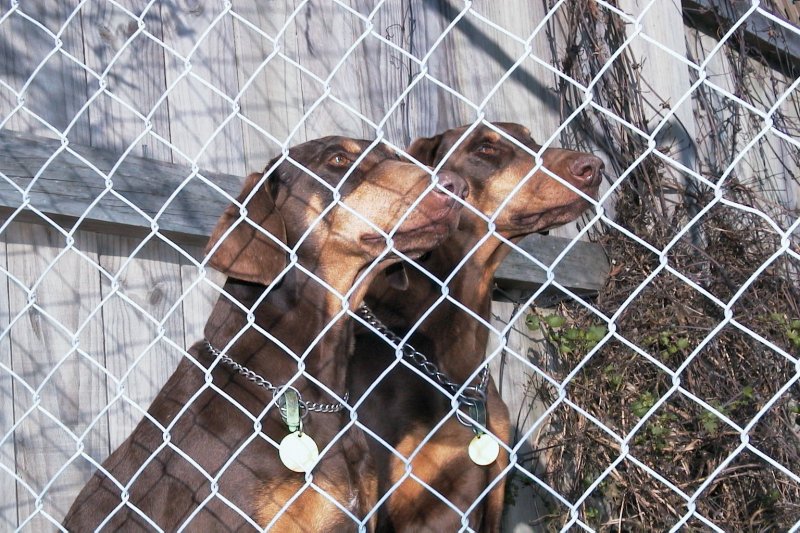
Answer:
(670, 400)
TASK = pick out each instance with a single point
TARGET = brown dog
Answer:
(205, 456)
(404, 408)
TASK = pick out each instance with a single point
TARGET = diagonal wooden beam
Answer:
(66, 186)
(767, 41)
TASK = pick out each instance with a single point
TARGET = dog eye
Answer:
(487, 150)
(339, 160)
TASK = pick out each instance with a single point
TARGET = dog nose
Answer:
(453, 183)
(586, 169)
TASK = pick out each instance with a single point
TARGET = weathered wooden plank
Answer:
(197, 34)
(318, 39)
(767, 41)
(272, 99)
(8, 489)
(472, 59)
(68, 186)
(136, 78)
(200, 298)
(53, 90)
(523, 392)
(74, 394)
(151, 280)
(772, 164)
(584, 269)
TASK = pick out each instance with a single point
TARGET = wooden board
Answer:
(473, 58)
(75, 392)
(134, 77)
(8, 492)
(519, 386)
(583, 269)
(67, 187)
(199, 115)
(53, 85)
(149, 286)
(319, 38)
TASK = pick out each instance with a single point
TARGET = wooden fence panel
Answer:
(200, 120)
(473, 58)
(74, 392)
(134, 73)
(151, 280)
(271, 99)
(8, 489)
(59, 88)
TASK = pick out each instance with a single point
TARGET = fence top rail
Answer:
(66, 186)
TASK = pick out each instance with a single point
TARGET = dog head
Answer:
(499, 164)
(333, 201)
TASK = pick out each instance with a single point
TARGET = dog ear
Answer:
(246, 253)
(424, 149)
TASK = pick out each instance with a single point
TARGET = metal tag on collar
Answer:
(290, 410)
(483, 448)
(298, 451)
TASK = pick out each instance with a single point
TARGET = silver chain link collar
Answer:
(472, 395)
(261, 382)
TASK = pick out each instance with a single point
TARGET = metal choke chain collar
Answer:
(472, 396)
(261, 382)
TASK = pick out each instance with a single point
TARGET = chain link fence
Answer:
(666, 399)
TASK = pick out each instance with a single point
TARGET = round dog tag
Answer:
(483, 449)
(298, 452)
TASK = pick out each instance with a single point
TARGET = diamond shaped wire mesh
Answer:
(669, 400)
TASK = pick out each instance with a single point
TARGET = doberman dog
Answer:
(275, 353)
(404, 408)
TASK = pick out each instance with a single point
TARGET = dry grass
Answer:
(752, 388)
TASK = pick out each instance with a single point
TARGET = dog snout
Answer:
(453, 183)
(586, 170)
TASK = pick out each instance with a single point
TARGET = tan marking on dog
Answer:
(310, 512)
(434, 458)
(351, 146)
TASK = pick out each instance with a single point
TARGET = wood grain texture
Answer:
(473, 58)
(318, 39)
(67, 186)
(584, 268)
(135, 316)
(129, 85)
(66, 291)
(53, 85)
(527, 398)
(199, 35)
(200, 298)
(8, 492)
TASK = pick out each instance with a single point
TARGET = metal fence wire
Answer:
(665, 399)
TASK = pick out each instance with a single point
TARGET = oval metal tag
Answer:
(298, 452)
(483, 449)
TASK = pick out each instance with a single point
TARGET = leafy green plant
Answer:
(567, 338)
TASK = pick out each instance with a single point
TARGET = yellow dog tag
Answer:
(483, 449)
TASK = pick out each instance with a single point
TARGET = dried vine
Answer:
(737, 373)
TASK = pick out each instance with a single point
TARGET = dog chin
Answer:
(542, 221)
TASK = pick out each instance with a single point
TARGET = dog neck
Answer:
(471, 286)
(305, 322)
